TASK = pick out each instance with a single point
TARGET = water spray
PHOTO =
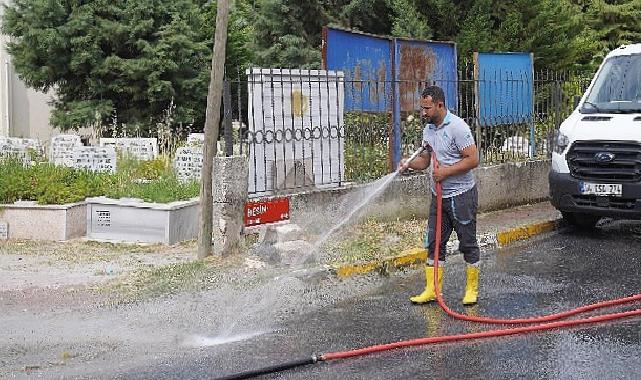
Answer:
(372, 194)
(541, 323)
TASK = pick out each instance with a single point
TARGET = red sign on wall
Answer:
(266, 212)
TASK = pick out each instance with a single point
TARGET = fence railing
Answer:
(313, 129)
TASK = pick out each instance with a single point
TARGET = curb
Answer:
(414, 256)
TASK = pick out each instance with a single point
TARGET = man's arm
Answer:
(419, 163)
(470, 160)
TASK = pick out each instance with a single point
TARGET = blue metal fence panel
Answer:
(367, 63)
(388, 74)
(505, 93)
(418, 63)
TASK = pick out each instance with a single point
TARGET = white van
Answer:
(596, 162)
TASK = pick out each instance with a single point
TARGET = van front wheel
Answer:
(582, 221)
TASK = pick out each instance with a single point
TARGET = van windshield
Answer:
(617, 89)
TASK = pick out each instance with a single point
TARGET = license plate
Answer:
(588, 188)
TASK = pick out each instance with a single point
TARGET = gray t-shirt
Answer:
(448, 140)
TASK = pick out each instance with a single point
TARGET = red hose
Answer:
(497, 332)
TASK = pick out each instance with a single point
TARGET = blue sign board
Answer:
(505, 93)
(367, 63)
(421, 63)
(385, 74)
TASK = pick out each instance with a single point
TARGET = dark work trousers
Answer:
(459, 214)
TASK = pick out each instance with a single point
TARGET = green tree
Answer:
(612, 23)
(132, 58)
(408, 20)
(556, 18)
(240, 35)
(288, 33)
(371, 16)
(553, 30)
(478, 30)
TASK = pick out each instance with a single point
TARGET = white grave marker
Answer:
(4, 231)
(197, 139)
(188, 162)
(97, 159)
(141, 148)
(20, 148)
(62, 147)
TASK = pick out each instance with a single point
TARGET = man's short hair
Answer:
(435, 92)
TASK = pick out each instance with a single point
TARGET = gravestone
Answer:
(62, 146)
(188, 162)
(4, 231)
(95, 159)
(23, 149)
(197, 139)
(141, 148)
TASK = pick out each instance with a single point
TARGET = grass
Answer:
(45, 183)
(192, 276)
(149, 271)
(144, 271)
(372, 240)
(367, 241)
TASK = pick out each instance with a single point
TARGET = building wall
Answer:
(23, 111)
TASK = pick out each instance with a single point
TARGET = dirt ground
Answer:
(78, 263)
(71, 306)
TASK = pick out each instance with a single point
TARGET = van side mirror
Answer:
(577, 99)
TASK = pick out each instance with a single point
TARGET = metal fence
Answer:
(299, 134)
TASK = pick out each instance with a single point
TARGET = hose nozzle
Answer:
(411, 158)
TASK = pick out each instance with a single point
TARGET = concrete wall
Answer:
(29, 221)
(500, 186)
(183, 223)
(123, 220)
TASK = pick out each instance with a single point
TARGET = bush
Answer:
(45, 183)
(48, 184)
(366, 136)
(365, 162)
(161, 190)
(145, 170)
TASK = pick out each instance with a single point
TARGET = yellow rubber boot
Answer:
(472, 287)
(429, 294)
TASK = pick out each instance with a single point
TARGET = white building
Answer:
(23, 111)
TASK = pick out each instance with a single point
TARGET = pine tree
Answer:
(557, 36)
(613, 23)
(132, 58)
(408, 21)
(288, 33)
(371, 16)
(554, 30)
(240, 35)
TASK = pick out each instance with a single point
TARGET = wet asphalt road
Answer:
(549, 274)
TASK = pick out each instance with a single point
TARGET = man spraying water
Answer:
(450, 138)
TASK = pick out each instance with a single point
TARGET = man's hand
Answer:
(470, 161)
(440, 173)
(403, 165)
(419, 163)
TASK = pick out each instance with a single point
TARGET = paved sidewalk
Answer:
(494, 229)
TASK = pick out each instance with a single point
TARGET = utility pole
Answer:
(212, 122)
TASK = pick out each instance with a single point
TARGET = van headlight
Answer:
(561, 143)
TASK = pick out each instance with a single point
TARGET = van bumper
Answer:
(565, 196)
